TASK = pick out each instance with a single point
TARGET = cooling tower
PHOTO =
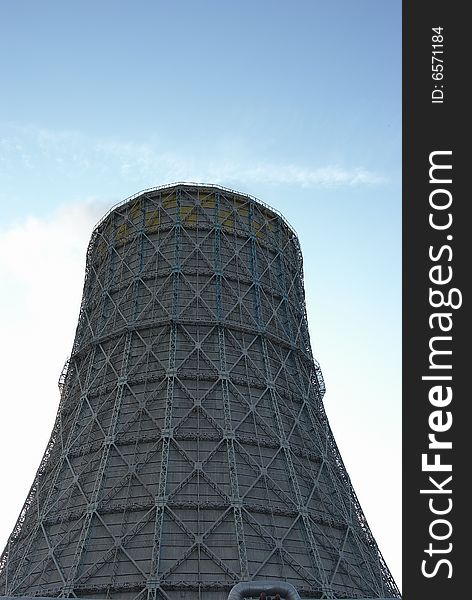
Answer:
(191, 450)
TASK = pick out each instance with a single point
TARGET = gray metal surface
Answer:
(191, 450)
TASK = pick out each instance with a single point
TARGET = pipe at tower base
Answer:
(251, 589)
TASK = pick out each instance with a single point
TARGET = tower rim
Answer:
(193, 184)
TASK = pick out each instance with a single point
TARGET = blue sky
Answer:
(297, 103)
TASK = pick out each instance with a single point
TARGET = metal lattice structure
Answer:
(191, 449)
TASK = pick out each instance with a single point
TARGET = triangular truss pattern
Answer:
(191, 449)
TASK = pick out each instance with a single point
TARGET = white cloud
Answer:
(323, 176)
(72, 153)
(42, 264)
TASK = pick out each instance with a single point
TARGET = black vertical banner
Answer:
(437, 434)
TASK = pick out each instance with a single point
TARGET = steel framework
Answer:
(191, 450)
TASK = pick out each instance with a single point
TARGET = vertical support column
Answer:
(283, 281)
(228, 429)
(153, 582)
(140, 244)
(107, 444)
(284, 444)
(110, 436)
(108, 276)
